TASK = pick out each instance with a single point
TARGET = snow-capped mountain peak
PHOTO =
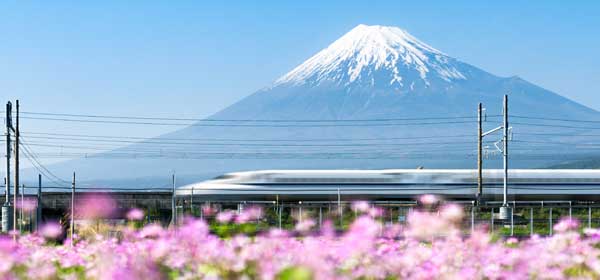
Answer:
(376, 56)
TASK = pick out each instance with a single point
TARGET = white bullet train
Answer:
(390, 184)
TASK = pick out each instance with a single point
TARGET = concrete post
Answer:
(472, 217)
(531, 221)
(589, 216)
(550, 221)
(492, 220)
(320, 216)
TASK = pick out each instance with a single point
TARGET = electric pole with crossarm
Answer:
(7, 209)
(505, 209)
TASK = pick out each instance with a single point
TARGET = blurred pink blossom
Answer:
(566, 224)
(431, 245)
(135, 214)
(225, 216)
(151, 230)
(207, 210)
(51, 230)
(254, 212)
(428, 199)
(277, 233)
(451, 212)
(512, 240)
(360, 206)
(305, 225)
(241, 218)
(94, 206)
(375, 212)
(425, 226)
(592, 233)
(27, 204)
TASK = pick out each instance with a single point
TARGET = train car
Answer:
(390, 184)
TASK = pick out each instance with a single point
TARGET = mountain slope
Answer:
(372, 72)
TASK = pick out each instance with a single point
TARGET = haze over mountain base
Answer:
(371, 73)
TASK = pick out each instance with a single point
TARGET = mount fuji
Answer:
(371, 72)
(377, 57)
(376, 71)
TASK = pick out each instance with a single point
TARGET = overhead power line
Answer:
(96, 147)
(554, 119)
(287, 144)
(327, 156)
(42, 169)
(158, 138)
(234, 124)
(557, 143)
(557, 134)
(247, 120)
(201, 142)
(555, 125)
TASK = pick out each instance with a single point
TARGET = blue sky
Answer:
(192, 58)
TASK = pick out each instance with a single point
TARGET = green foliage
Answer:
(73, 272)
(229, 230)
(295, 273)
(580, 271)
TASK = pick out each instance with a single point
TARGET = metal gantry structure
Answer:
(505, 210)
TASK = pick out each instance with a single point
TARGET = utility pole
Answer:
(38, 215)
(7, 207)
(16, 193)
(339, 196)
(6, 210)
(479, 154)
(173, 204)
(72, 208)
(192, 202)
(505, 210)
(21, 208)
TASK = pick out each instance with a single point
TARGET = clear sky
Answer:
(192, 58)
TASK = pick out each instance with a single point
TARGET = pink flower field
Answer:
(429, 246)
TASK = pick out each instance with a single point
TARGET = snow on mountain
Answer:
(379, 56)
(372, 72)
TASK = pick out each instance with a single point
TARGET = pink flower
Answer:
(432, 245)
(428, 199)
(51, 230)
(241, 218)
(94, 206)
(27, 204)
(452, 212)
(425, 225)
(360, 206)
(305, 225)
(364, 227)
(566, 224)
(592, 233)
(225, 216)
(151, 230)
(135, 214)
(277, 233)
(207, 210)
(375, 212)
(512, 240)
(254, 213)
